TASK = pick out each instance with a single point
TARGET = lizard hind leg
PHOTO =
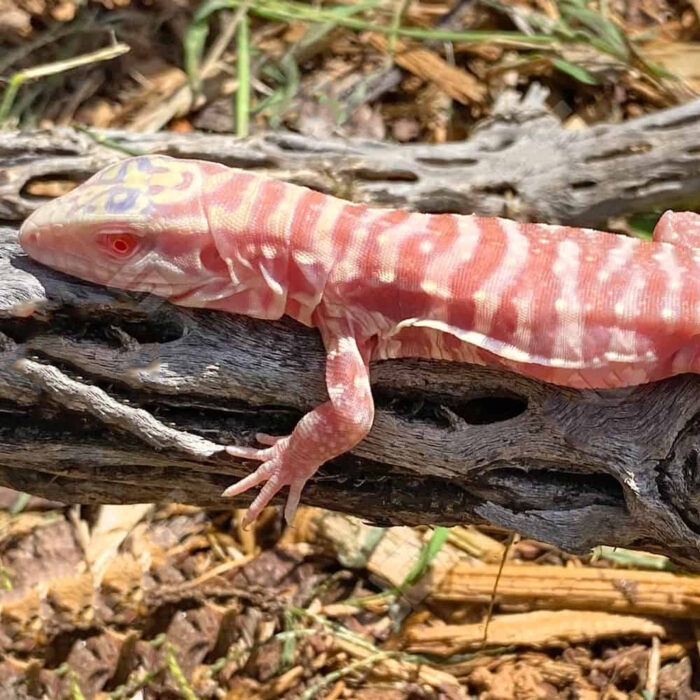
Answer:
(679, 228)
(322, 434)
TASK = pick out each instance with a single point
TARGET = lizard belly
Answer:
(429, 343)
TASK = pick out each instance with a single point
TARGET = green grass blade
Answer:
(633, 558)
(193, 48)
(19, 504)
(289, 11)
(289, 89)
(597, 29)
(642, 224)
(21, 77)
(243, 69)
(426, 555)
(349, 10)
(196, 37)
(400, 7)
(178, 674)
(577, 72)
(209, 8)
(289, 643)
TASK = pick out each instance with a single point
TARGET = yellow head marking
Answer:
(136, 188)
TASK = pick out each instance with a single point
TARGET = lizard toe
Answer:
(265, 439)
(262, 454)
(273, 484)
(290, 508)
(277, 470)
(262, 473)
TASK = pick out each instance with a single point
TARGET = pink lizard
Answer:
(572, 306)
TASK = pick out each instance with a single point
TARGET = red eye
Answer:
(120, 244)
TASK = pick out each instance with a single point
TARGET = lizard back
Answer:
(571, 305)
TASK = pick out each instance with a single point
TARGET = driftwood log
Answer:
(521, 164)
(98, 387)
(107, 396)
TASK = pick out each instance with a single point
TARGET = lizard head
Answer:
(138, 225)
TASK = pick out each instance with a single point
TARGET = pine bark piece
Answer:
(539, 629)
(427, 64)
(583, 588)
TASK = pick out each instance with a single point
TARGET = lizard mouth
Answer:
(62, 250)
(146, 280)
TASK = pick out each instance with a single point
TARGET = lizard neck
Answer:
(280, 243)
(321, 228)
(249, 221)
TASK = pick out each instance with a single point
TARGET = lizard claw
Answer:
(276, 471)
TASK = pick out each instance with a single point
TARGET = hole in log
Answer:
(491, 409)
(287, 142)
(690, 120)
(157, 328)
(384, 175)
(690, 469)
(678, 484)
(502, 189)
(47, 421)
(441, 411)
(96, 325)
(498, 145)
(614, 153)
(414, 407)
(21, 329)
(447, 162)
(49, 186)
(583, 185)
(651, 182)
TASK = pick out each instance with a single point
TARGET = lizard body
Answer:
(572, 306)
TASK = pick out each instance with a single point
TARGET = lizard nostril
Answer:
(28, 235)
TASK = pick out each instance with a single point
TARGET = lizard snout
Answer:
(29, 235)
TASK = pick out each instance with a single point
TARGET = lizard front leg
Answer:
(331, 429)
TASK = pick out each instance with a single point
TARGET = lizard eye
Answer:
(120, 245)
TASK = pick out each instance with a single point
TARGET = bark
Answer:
(108, 396)
(522, 164)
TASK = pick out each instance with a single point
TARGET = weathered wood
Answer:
(451, 443)
(522, 164)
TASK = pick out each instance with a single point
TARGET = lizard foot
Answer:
(279, 468)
